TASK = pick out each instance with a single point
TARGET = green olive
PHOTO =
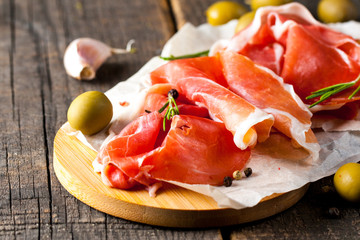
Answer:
(330, 11)
(255, 4)
(223, 11)
(244, 21)
(347, 181)
(90, 112)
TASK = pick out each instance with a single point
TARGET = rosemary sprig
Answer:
(199, 54)
(328, 92)
(172, 108)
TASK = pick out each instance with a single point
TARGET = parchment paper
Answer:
(277, 166)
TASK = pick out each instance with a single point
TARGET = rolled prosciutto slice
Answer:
(267, 91)
(305, 53)
(200, 80)
(195, 151)
(139, 137)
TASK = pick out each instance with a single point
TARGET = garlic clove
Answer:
(84, 56)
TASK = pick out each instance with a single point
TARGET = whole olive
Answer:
(244, 21)
(330, 11)
(255, 4)
(90, 112)
(223, 11)
(347, 181)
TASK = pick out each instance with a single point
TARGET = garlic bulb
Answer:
(84, 56)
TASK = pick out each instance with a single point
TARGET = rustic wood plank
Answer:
(8, 174)
(25, 157)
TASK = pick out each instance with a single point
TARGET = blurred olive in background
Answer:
(223, 11)
(331, 11)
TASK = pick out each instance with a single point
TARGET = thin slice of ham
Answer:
(139, 137)
(192, 149)
(267, 91)
(311, 63)
(304, 52)
(195, 151)
(200, 79)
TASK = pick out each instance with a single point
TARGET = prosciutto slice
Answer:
(200, 79)
(192, 149)
(157, 96)
(304, 52)
(264, 89)
(137, 138)
(195, 151)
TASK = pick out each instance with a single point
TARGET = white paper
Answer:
(274, 170)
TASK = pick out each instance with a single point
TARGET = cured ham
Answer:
(264, 89)
(192, 149)
(200, 79)
(305, 53)
(253, 84)
(195, 151)
(329, 65)
(157, 96)
(139, 137)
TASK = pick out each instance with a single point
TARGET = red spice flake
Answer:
(124, 103)
(279, 168)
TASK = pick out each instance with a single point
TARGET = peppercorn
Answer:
(237, 175)
(248, 172)
(333, 212)
(227, 181)
(173, 93)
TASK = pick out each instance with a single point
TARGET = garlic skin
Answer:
(84, 56)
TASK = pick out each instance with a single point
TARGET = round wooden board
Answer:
(172, 207)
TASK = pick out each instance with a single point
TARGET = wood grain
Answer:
(172, 207)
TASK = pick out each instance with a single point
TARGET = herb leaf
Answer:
(199, 54)
(329, 91)
(172, 108)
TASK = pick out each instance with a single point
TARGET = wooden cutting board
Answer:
(172, 207)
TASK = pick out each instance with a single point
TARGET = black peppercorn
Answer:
(173, 93)
(248, 172)
(227, 181)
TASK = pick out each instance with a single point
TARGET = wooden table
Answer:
(35, 93)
